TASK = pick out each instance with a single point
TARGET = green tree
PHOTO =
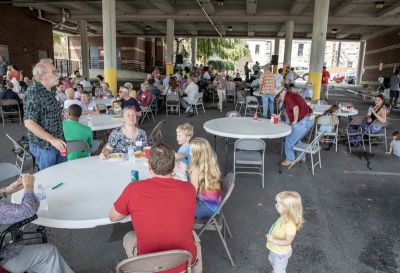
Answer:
(229, 49)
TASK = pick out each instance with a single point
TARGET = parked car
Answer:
(351, 79)
(338, 79)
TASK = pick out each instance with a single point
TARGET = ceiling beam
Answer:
(129, 26)
(344, 8)
(251, 6)
(282, 31)
(350, 31)
(125, 8)
(298, 7)
(190, 28)
(379, 32)
(164, 6)
(45, 7)
(250, 30)
(389, 11)
(208, 7)
(82, 6)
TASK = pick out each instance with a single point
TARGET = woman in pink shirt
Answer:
(145, 96)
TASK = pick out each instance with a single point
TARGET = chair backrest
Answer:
(233, 114)
(77, 146)
(155, 262)
(239, 95)
(102, 107)
(8, 102)
(251, 100)
(249, 144)
(315, 141)
(7, 171)
(227, 185)
(17, 147)
(199, 97)
(327, 120)
(156, 135)
(357, 121)
(172, 97)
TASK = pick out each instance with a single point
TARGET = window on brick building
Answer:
(349, 64)
(300, 50)
(257, 49)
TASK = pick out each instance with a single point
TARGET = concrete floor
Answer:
(351, 211)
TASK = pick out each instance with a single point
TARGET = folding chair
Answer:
(249, 154)
(154, 105)
(354, 129)
(7, 172)
(217, 221)
(102, 108)
(172, 104)
(21, 154)
(156, 262)
(10, 102)
(78, 146)
(328, 121)
(311, 149)
(251, 104)
(147, 112)
(230, 91)
(198, 104)
(373, 138)
(156, 135)
(240, 100)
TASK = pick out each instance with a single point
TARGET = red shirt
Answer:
(292, 100)
(325, 77)
(145, 98)
(162, 211)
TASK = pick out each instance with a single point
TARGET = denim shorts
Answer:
(279, 262)
(394, 93)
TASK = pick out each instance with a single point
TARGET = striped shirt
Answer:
(267, 83)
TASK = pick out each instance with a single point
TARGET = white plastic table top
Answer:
(101, 122)
(257, 93)
(106, 101)
(320, 109)
(91, 186)
(246, 127)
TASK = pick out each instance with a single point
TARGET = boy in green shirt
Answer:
(74, 130)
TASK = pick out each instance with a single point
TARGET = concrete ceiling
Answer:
(348, 19)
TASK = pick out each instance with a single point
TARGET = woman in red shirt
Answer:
(14, 73)
(145, 96)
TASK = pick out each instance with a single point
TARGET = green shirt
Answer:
(74, 130)
(42, 107)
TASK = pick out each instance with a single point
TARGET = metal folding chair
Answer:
(328, 121)
(156, 135)
(172, 104)
(4, 113)
(354, 129)
(217, 221)
(21, 154)
(156, 262)
(78, 146)
(252, 104)
(374, 138)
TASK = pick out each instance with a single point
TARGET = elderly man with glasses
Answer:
(127, 100)
(42, 116)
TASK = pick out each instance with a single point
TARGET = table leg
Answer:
(226, 155)
(281, 159)
(215, 143)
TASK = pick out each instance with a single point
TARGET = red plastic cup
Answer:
(255, 117)
(63, 152)
(147, 151)
(101, 96)
(276, 120)
(348, 106)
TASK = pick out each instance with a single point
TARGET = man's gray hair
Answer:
(40, 69)
(128, 85)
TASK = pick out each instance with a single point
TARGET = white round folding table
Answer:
(106, 101)
(320, 109)
(90, 188)
(101, 122)
(246, 127)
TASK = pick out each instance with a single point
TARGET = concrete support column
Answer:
(194, 50)
(320, 24)
(288, 42)
(84, 48)
(170, 47)
(110, 44)
(360, 61)
(276, 52)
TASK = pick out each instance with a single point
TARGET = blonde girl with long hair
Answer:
(283, 230)
(205, 176)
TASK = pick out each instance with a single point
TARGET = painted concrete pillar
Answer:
(194, 50)
(320, 24)
(276, 52)
(110, 44)
(288, 42)
(84, 48)
(361, 61)
(170, 47)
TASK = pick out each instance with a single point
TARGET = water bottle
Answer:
(369, 111)
(131, 155)
(41, 195)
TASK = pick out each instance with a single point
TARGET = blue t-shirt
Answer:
(185, 150)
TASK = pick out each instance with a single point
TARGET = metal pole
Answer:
(360, 61)
(194, 50)
(276, 52)
(338, 54)
(110, 44)
(317, 55)
(84, 48)
(170, 47)
(288, 42)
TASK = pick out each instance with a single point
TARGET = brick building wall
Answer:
(382, 49)
(25, 36)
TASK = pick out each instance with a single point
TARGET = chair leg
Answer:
(312, 164)
(225, 245)
(225, 223)
(204, 110)
(369, 143)
(319, 155)
(348, 141)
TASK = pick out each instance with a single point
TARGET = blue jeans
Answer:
(299, 130)
(268, 103)
(202, 210)
(46, 158)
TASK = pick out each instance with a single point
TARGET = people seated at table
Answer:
(379, 113)
(332, 111)
(100, 79)
(86, 85)
(153, 88)
(43, 258)
(156, 73)
(106, 92)
(301, 117)
(307, 92)
(116, 108)
(9, 94)
(255, 83)
(126, 137)
(205, 176)
(127, 100)
(74, 130)
(88, 104)
(28, 82)
(67, 83)
(173, 87)
(192, 93)
(184, 134)
(78, 92)
(77, 79)
(144, 97)
(60, 94)
(70, 93)
(162, 211)
(14, 72)
(394, 147)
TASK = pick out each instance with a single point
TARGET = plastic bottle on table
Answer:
(41, 195)
(131, 155)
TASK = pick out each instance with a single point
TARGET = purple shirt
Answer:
(12, 213)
